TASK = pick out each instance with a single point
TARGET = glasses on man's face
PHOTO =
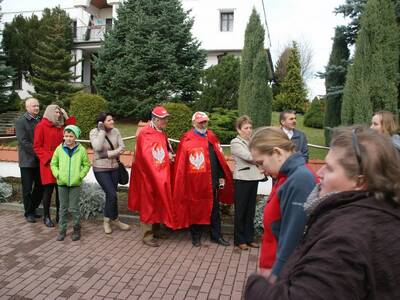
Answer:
(357, 150)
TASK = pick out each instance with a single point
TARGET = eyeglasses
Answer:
(357, 150)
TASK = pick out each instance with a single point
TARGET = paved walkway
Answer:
(117, 266)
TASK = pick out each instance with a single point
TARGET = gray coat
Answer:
(245, 169)
(24, 127)
(300, 140)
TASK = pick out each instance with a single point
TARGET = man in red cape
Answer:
(150, 182)
(201, 178)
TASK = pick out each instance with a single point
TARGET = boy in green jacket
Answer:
(69, 165)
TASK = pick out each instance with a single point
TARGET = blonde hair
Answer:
(265, 139)
(388, 122)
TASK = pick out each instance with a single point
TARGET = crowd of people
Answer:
(327, 235)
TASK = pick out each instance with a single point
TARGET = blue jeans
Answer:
(109, 183)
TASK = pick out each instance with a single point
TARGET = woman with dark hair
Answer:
(47, 136)
(385, 122)
(351, 245)
(107, 146)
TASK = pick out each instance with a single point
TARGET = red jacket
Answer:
(150, 182)
(192, 186)
(46, 139)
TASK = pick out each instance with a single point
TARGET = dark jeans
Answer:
(46, 200)
(109, 183)
(215, 223)
(32, 189)
(245, 207)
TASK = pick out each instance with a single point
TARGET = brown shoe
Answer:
(253, 245)
(243, 247)
(151, 243)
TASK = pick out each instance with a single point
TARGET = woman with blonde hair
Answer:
(385, 122)
(351, 245)
(284, 216)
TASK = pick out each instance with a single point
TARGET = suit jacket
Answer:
(24, 127)
(300, 140)
(245, 169)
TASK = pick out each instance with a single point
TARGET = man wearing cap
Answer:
(201, 178)
(150, 182)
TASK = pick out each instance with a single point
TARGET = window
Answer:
(226, 21)
(75, 29)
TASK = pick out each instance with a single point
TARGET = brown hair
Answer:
(388, 122)
(282, 115)
(242, 120)
(265, 139)
(380, 161)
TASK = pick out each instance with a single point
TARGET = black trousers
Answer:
(32, 189)
(245, 207)
(46, 201)
(215, 223)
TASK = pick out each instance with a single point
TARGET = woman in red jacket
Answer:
(48, 135)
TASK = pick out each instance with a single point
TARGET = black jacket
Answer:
(300, 140)
(350, 250)
(24, 127)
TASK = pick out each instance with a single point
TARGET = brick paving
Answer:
(118, 266)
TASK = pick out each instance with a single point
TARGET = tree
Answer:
(255, 95)
(373, 78)
(293, 94)
(53, 60)
(335, 78)
(280, 70)
(149, 57)
(314, 117)
(220, 85)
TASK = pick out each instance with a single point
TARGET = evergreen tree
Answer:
(293, 94)
(149, 57)
(53, 60)
(220, 85)
(373, 78)
(255, 95)
(280, 70)
(335, 78)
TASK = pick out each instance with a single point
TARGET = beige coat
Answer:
(104, 157)
(245, 169)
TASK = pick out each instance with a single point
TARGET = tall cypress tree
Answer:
(148, 57)
(335, 78)
(372, 79)
(255, 95)
(53, 60)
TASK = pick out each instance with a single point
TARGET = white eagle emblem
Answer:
(197, 160)
(158, 154)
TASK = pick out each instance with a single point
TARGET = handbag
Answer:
(123, 176)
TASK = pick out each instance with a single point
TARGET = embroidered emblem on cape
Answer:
(158, 154)
(197, 160)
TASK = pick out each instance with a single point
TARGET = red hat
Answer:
(199, 117)
(159, 112)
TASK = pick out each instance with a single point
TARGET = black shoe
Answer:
(196, 243)
(76, 234)
(61, 235)
(30, 219)
(220, 241)
(38, 216)
(48, 222)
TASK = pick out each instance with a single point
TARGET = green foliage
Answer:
(280, 71)
(92, 200)
(85, 107)
(179, 120)
(52, 60)
(293, 94)
(335, 78)
(314, 117)
(373, 78)
(222, 122)
(149, 57)
(255, 95)
(220, 85)
(7, 97)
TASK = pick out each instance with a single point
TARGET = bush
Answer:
(6, 191)
(222, 122)
(180, 119)
(85, 107)
(314, 117)
(92, 200)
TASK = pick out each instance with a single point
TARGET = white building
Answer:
(218, 24)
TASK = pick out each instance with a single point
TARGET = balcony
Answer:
(93, 33)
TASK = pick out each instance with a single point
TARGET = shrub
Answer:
(314, 116)
(179, 120)
(6, 191)
(222, 122)
(92, 200)
(85, 107)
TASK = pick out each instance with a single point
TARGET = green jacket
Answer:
(70, 170)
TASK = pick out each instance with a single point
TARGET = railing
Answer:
(93, 33)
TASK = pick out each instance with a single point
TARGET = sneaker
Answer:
(30, 219)
(61, 235)
(48, 222)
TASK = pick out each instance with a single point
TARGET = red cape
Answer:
(192, 186)
(150, 182)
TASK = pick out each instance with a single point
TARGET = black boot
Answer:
(61, 235)
(76, 234)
